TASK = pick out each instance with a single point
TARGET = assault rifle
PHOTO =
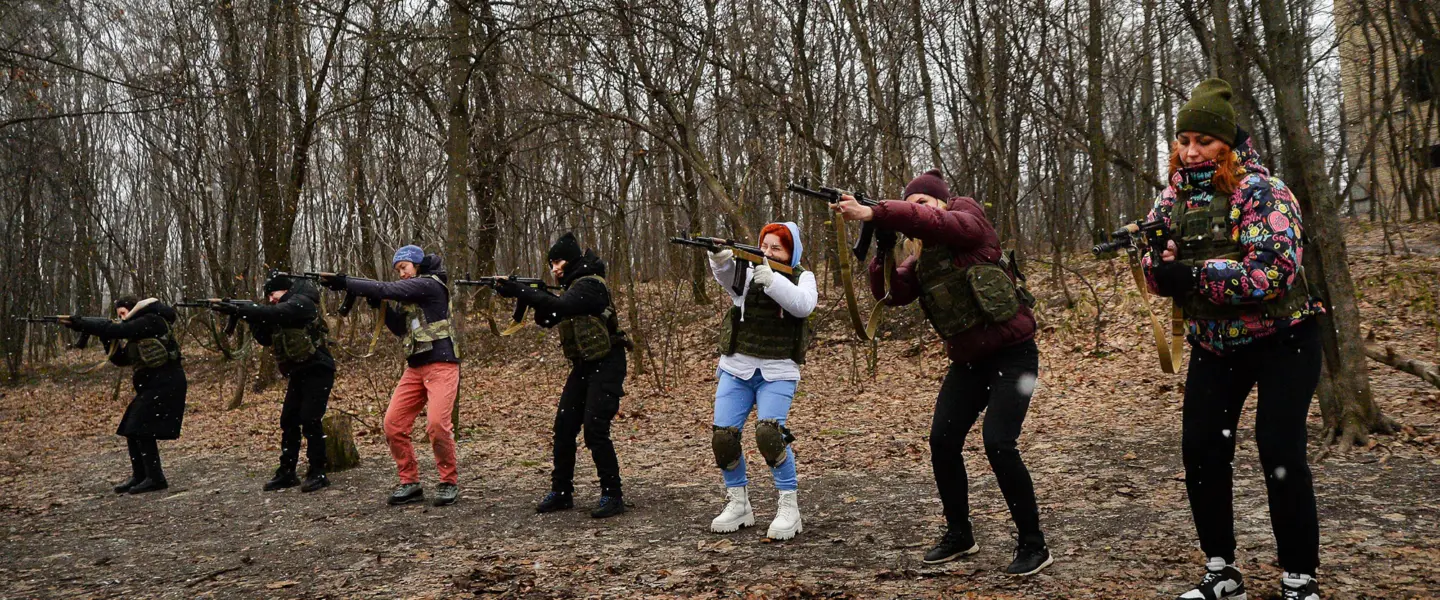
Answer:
(833, 196)
(80, 343)
(1133, 235)
(211, 303)
(745, 255)
(346, 304)
(517, 319)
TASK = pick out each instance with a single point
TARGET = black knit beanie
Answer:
(566, 248)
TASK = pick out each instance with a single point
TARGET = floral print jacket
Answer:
(1265, 223)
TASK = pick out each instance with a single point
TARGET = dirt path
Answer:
(1112, 503)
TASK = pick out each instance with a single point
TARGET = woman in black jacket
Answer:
(290, 324)
(591, 338)
(143, 338)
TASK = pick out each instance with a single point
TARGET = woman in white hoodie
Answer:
(762, 345)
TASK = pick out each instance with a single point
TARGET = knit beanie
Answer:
(1209, 111)
(411, 254)
(278, 283)
(930, 183)
(126, 302)
(566, 248)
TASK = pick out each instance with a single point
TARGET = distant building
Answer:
(1390, 87)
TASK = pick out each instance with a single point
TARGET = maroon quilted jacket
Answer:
(963, 227)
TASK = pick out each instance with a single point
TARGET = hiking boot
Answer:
(407, 493)
(1221, 582)
(554, 501)
(609, 506)
(1029, 560)
(737, 511)
(787, 517)
(315, 482)
(133, 481)
(284, 478)
(954, 544)
(150, 484)
(446, 494)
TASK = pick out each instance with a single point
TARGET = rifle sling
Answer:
(1170, 350)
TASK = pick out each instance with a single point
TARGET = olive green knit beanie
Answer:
(1209, 111)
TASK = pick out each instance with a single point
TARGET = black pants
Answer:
(144, 455)
(590, 399)
(1286, 367)
(306, 399)
(999, 385)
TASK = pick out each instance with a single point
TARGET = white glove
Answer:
(721, 258)
(763, 276)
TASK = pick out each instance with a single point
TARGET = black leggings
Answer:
(1286, 367)
(144, 453)
(590, 400)
(306, 399)
(1000, 385)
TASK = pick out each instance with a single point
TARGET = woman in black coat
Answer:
(143, 338)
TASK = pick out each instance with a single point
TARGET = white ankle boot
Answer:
(737, 512)
(787, 518)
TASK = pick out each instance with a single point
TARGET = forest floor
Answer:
(1101, 440)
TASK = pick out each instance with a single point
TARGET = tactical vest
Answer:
(154, 352)
(588, 337)
(767, 331)
(1204, 234)
(956, 299)
(420, 334)
(295, 345)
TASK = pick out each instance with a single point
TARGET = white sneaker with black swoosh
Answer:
(1222, 581)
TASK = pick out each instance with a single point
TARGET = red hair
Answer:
(780, 231)
(1227, 169)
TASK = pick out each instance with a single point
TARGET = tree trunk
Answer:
(1352, 413)
(1095, 107)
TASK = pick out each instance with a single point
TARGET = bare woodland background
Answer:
(180, 148)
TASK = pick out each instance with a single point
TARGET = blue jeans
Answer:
(735, 398)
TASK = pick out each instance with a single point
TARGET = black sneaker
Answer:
(314, 482)
(1221, 582)
(407, 493)
(953, 545)
(554, 501)
(125, 486)
(1299, 587)
(609, 506)
(446, 494)
(284, 478)
(1029, 560)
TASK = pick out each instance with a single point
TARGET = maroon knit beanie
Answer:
(931, 183)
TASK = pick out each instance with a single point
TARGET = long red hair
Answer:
(1227, 169)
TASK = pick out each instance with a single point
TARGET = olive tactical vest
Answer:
(587, 337)
(421, 335)
(767, 331)
(956, 299)
(294, 345)
(1204, 234)
(154, 352)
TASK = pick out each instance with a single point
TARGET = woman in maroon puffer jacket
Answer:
(993, 360)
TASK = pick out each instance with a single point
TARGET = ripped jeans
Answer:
(735, 398)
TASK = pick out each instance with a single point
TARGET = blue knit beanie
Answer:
(411, 253)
